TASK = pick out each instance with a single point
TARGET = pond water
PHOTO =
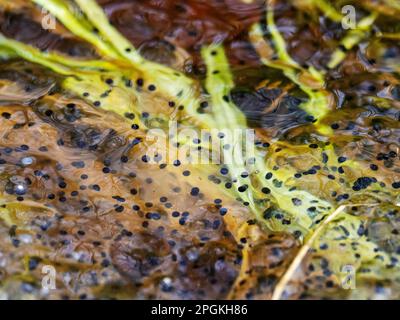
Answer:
(104, 118)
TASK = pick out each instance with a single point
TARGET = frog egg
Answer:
(20, 189)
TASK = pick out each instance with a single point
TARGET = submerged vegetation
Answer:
(313, 212)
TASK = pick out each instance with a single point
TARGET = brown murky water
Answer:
(80, 196)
